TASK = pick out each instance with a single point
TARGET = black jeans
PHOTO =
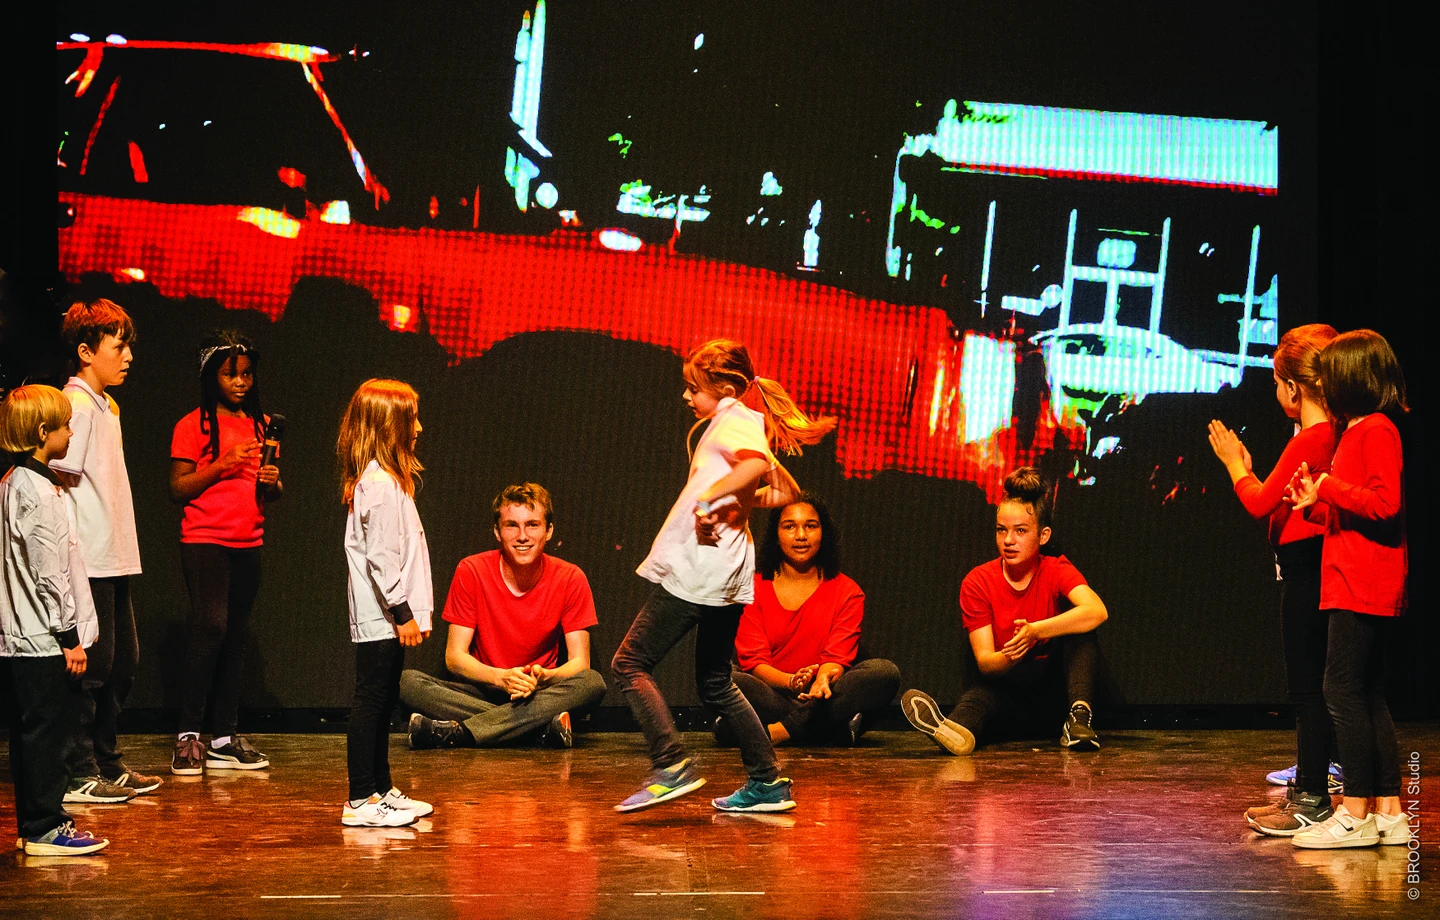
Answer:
(1304, 632)
(108, 676)
(1355, 694)
(43, 706)
(663, 621)
(222, 583)
(1026, 688)
(867, 687)
(367, 737)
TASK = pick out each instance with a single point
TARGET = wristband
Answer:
(68, 639)
(401, 613)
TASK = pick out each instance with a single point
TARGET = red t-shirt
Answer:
(825, 629)
(1365, 561)
(510, 631)
(1312, 445)
(986, 598)
(228, 513)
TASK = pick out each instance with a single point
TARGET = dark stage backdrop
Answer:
(980, 235)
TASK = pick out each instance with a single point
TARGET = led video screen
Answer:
(980, 236)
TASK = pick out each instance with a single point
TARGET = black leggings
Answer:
(1355, 693)
(222, 583)
(367, 738)
(1304, 632)
(1026, 689)
(867, 687)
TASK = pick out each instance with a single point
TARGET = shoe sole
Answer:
(761, 808)
(50, 849)
(917, 707)
(235, 765)
(1079, 744)
(187, 771)
(1329, 843)
(662, 799)
(356, 822)
(78, 798)
(1277, 832)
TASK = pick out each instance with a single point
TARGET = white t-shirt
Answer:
(712, 576)
(387, 557)
(94, 472)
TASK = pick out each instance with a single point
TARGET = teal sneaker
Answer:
(663, 785)
(755, 796)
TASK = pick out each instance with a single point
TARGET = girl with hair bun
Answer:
(1031, 621)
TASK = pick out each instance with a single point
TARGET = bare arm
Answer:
(187, 483)
(781, 491)
(577, 652)
(741, 478)
(991, 662)
(1087, 614)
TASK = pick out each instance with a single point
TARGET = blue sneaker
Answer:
(64, 840)
(1335, 782)
(755, 796)
(663, 785)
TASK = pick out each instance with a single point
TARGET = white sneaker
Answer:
(375, 812)
(1342, 829)
(1394, 830)
(924, 713)
(402, 802)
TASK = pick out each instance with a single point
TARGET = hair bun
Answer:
(1025, 484)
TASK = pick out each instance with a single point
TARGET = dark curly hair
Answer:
(767, 563)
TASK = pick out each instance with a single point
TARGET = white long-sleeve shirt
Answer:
(387, 557)
(94, 471)
(42, 609)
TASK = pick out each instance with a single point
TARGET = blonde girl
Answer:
(390, 593)
(703, 563)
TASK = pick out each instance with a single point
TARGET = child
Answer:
(98, 334)
(1297, 544)
(41, 649)
(214, 471)
(1031, 620)
(703, 564)
(390, 594)
(1363, 569)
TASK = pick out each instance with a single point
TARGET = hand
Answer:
(1303, 491)
(801, 679)
(543, 676)
(1227, 445)
(239, 456)
(705, 529)
(820, 689)
(517, 682)
(1020, 644)
(75, 661)
(410, 634)
(268, 475)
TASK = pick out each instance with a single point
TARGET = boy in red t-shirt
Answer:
(508, 611)
(1031, 621)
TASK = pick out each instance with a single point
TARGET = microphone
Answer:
(273, 432)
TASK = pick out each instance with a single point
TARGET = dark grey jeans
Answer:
(867, 687)
(489, 713)
(661, 623)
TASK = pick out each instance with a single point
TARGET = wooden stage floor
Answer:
(1149, 827)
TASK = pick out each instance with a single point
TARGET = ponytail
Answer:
(722, 363)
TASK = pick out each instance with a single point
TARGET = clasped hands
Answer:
(522, 682)
(1020, 644)
(813, 682)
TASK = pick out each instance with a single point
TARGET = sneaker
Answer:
(855, 728)
(141, 783)
(97, 789)
(1341, 830)
(1077, 735)
(235, 754)
(189, 757)
(1299, 812)
(1259, 811)
(376, 812)
(663, 785)
(402, 802)
(558, 734)
(758, 797)
(64, 840)
(1394, 830)
(1335, 780)
(426, 734)
(924, 713)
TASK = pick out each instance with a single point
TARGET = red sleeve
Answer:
(1309, 445)
(579, 610)
(752, 647)
(461, 598)
(186, 443)
(842, 646)
(1378, 497)
(976, 611)
(1067, 577)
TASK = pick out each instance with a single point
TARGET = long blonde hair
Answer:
(722, 363)
(379, 425)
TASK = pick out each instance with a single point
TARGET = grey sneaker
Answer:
(1299, 813)
(559, 734)
(426, 734)
(97, 790)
